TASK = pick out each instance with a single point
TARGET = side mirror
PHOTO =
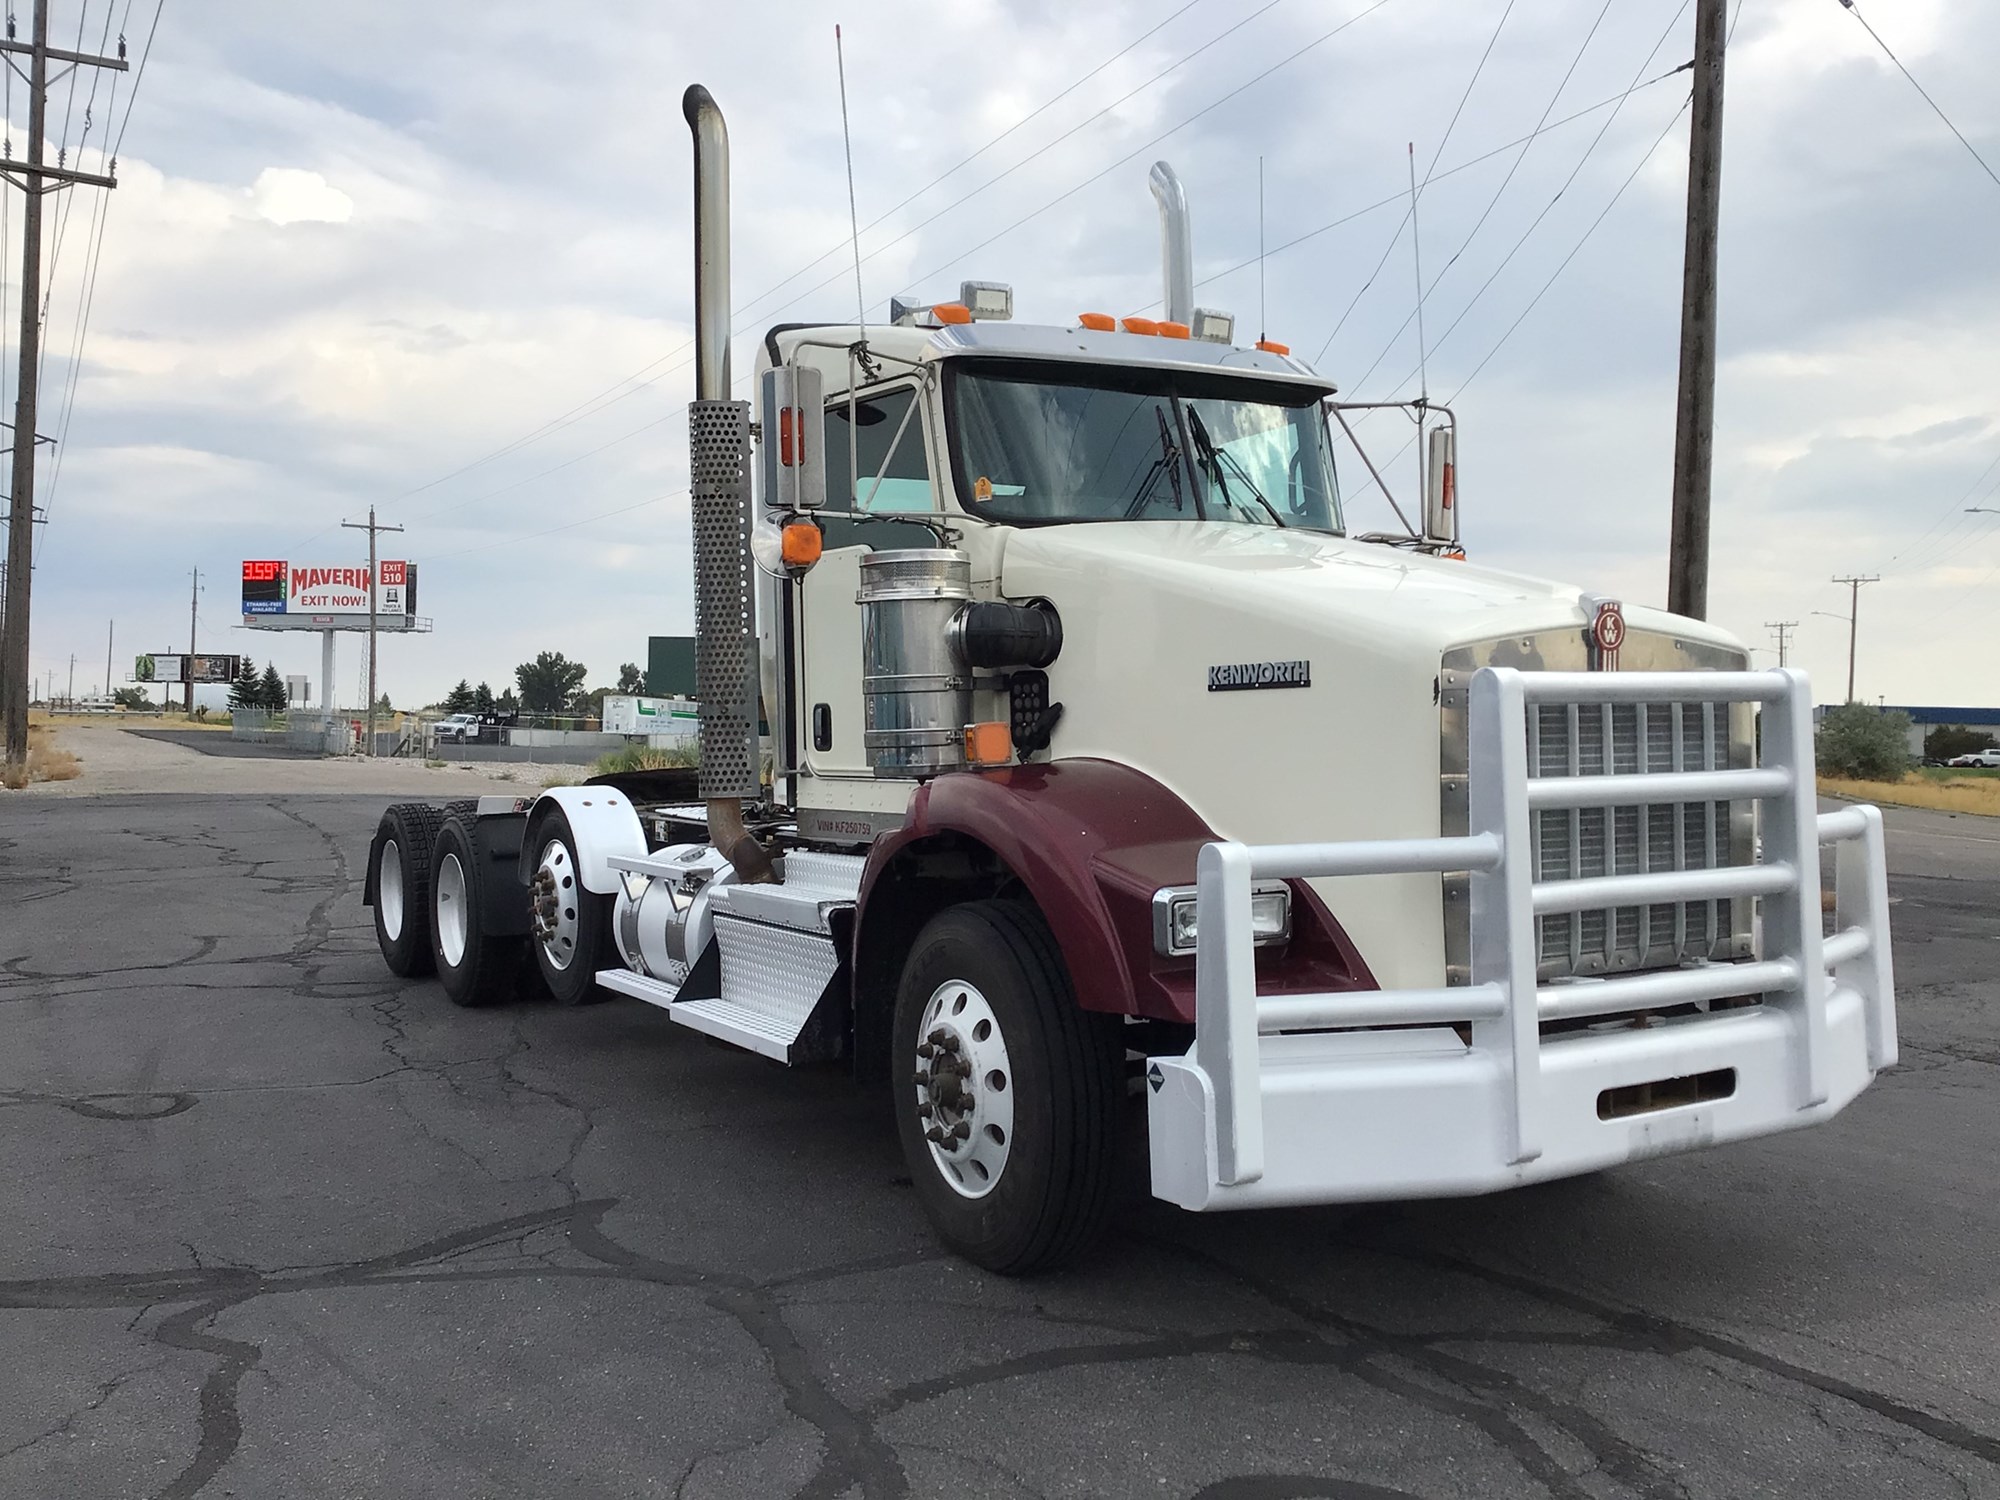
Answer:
(1441, 489)
(794, 438)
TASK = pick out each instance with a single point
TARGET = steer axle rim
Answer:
(964, 1089)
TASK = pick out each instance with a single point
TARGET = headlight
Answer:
(1174, 917)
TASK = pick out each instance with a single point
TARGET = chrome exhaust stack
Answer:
(1176, 244)
(725, 652)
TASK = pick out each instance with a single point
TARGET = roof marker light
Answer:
(952, 312)
(1272, 346)
(1097, 322)
(1167, 330)
(1140, 325)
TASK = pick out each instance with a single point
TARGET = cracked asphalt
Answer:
(278, 1224)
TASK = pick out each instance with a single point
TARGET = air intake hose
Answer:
(989, 636)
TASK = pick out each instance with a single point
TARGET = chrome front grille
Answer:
(1613, 739)
(1566, 740)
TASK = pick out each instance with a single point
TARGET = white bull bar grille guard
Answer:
(1308, 1099)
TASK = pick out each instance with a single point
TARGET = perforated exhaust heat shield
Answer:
(725, 652)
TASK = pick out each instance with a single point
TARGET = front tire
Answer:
(474, 967)
(1007, 1092)
(572, 932)
(401, 857)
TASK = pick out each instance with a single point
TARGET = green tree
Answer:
(550, 683)
(271, 689)
(482, 699)
(507, 703)
(382, 704)
(630, 679)
(135, 697)
(245, 692)
(1948, 740)
(1864, 743)
(461, 699)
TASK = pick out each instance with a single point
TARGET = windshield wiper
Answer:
(1212, 457)
(1168, 463)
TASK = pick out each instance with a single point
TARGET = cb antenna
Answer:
(853, 218)
(1417, 251)
(1263, 321)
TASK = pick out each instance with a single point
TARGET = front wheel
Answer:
(1009, 1100)
(572, 926)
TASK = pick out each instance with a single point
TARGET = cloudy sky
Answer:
(436, 258)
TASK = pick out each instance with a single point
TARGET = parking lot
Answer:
(278, 1224)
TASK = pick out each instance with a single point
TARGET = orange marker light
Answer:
(952, 312)
(989, 744)
(1141, 325)
(801, 543)
(1272, 346)
(1098, 322)
(1168, 330)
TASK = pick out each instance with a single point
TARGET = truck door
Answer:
(829, 636)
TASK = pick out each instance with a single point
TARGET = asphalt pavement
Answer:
(274, 1223)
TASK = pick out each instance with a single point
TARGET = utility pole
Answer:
(374, 608)
(70, 697)
(1782, 628)
(194, 608)
(34, 179)
(110, 635)
(1694, 423)
(1854, 582)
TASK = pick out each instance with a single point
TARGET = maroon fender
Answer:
(1091, 841)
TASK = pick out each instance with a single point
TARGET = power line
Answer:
(1396, 238)
(1536, 222)
(592, 405)
(1935, 108)
(1527, 143)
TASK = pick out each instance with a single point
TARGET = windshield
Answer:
(1034, 444)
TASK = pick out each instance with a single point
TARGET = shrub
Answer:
(1863, 743)
(647, 758)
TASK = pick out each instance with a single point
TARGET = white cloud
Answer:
(290, 195)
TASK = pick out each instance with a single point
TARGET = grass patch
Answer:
(1938, 790)
(44, 763)
(647, 758)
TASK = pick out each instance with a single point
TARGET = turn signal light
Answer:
(801, 543)
(989, 744)
(952, 312)
(1272, 346)
(1141, 325)
(1098, 322)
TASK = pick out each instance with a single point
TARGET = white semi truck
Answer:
(1107, 768)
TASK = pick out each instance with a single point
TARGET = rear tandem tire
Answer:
(1039, 1088)
(578, 921)
(401, 859)
(474, 968)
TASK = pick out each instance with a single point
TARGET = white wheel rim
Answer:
(555, 900)
(964, 1089)
(389, 890)
(451, 914)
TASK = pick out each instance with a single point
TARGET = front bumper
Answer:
(1379, 1095)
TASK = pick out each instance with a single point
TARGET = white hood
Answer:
(1149, 607)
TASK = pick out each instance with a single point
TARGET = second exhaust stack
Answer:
(725, 650)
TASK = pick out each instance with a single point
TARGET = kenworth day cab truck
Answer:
(1105, 765)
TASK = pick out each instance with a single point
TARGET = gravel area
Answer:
(116, 763)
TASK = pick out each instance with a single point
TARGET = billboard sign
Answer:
(164, 667)
(325, 591)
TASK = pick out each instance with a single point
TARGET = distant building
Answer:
(1924, 720)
